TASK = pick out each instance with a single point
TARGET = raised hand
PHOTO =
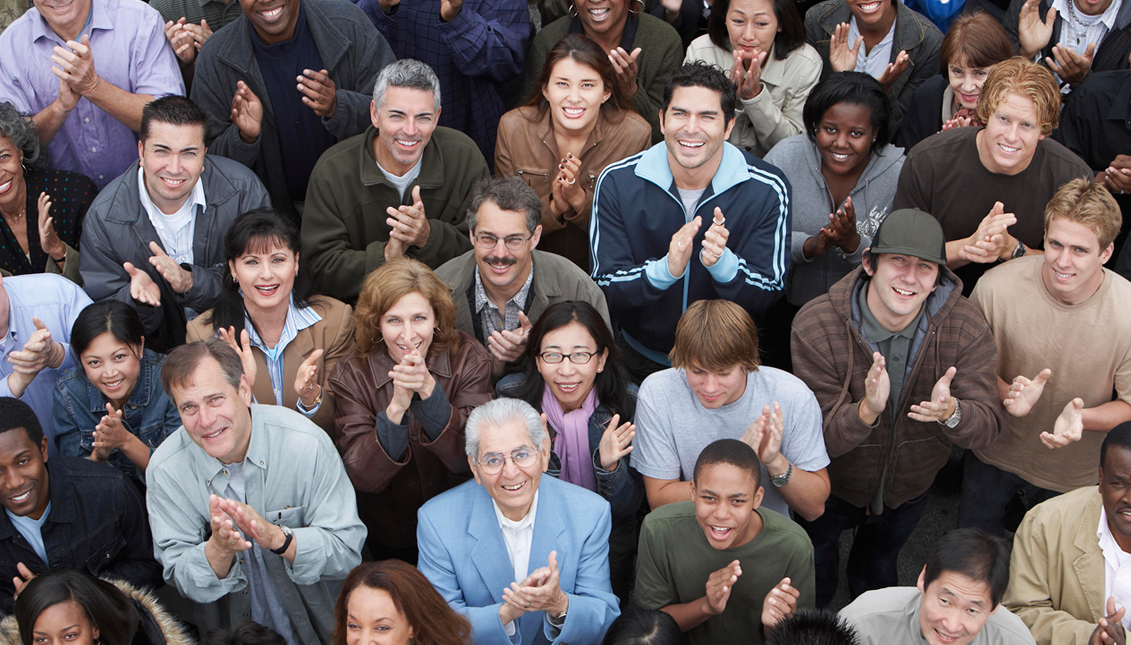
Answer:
(48, 240)
(38, 352)
(412, 374)
(24, 576)
(714, 240)
(449, 9)
(765, 434)
(1109, 631)
(779, 604)
(624, 64)
(1117, 176)
(247, 112)
(142, 287)
(719, 585)
(306, 380)
(1069, 426)
(408, 223)
(679, 249)
(319, 92)
(747, 77)
(840, 231)
(225, 541)
(991, 241)
(841, 56)
(266, 535)
(1033, 33)
(507, 345)
(75, 65)
(894, 70)
(1070, 66)
(181, 40)
(179, 279)
(109, 435)
(877, 388)
(616, 442)
(941, 406)
(957, 122)
(569, 191)
(242, 344)
(1024, 393)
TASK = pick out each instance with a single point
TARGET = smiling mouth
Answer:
(1008, 149)
(6, 187)
(692, 145)
(599, 14)
(1063, 276)
(213, 435)
(272, 14)
(720, 532)
(57, 6)
(514, 487)
(869, 7)
(406, 349)
(903, 292)
(267, 290)
(944, 638)
(22, 497)
(501, 265)
(567, 387)
(113, 384)
(573, 113)
(407, 144)
(840, 157)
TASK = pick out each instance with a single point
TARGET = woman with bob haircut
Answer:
(78, 609)
(970, 49)
(111, 408)
(288, 338)
(392, 603)
(761, 43)
(414, 378)
(577, 121)
(572, 372)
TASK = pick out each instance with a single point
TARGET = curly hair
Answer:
(1025, 79)
(21, 131)
(386, 286)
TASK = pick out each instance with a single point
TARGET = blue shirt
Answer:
(32, 531)
(57, 302)
(298, 318)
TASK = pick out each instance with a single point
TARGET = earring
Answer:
(436, 332)
(638, 11)
(236, 280)
(572, 11)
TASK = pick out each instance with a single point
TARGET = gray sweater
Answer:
(799, 160)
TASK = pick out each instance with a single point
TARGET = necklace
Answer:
(1079, 29)
(17, 217)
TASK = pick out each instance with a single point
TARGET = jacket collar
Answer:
(653, 166)
(908, 33)
(431, 167)
(544, 286)
(843, 296)
(62, 493)
(1091, 557)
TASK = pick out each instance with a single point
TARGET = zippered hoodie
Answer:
(832, 356)
(637, 210)
(800, 160)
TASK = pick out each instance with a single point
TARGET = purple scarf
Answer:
(572, 444)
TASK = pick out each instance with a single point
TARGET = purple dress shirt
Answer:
(130, 51)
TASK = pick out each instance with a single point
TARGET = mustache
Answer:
(508, 261)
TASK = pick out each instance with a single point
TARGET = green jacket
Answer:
(343, 224)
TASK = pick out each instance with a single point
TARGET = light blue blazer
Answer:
(462, 552)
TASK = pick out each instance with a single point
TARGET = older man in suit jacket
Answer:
(526, 563)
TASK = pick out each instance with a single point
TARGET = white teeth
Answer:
(692, 144)
(1062, 276)
(720, 530)
(573, 112)
(903, 292)
(23, 497)
(839, 157)
(272, 14)
(514, 487)
(214, 434)
(172, 182)
(114, 383)
(268, 290)
(1007, 149)
(5, 187)
(871, 6)
(568, 387)
(599, 14)
(407, 144)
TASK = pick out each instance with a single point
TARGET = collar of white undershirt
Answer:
(1114, 555)
(525, 522)
(1107, 17)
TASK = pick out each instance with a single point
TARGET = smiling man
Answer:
(401, 188)
(663, 221)
(524, 558)
(502, 286)
(955, 601)
(1068, 577)
(1056, 387)
(723, 566)
(902, 366)
(154, 238)
(64, 512)
(1015, 168)
(253, 514)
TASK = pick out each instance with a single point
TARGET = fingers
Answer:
(856, 47)
(524, 323)
(312, 360)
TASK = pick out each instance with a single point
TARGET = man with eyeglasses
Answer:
(525, 559)
(502, 286)
(400, 188)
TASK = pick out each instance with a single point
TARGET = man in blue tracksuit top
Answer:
(663, 221)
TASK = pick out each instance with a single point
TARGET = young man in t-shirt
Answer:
(1064, 344)
(706, 589)
(717, 390)
(988, 186)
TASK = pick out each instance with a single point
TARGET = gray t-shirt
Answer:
(672, 427)
(891, 616)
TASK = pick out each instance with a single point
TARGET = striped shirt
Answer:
(298, 318)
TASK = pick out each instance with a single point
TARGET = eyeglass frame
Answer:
(564, 356)
(478, 461)
(521, 241)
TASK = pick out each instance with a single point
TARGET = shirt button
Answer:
(94, 149)
(100, 176)
(86, 120)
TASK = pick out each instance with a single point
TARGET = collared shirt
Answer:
(1078, 30)
(1117, 568)
(873, 62)
(175, 230)
(298, 318)
(57, 302)
(127, 39)
(489, 316)
(518, 536)
(32, 530)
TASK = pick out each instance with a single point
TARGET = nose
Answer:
(510, 469)
(14, 479)
(174, 165)
(749, 34)
(206, 417)
(410, 127)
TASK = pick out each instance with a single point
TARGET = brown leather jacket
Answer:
(390, 492)
(528, 149)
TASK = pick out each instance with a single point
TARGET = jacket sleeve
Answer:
(650, 96)
(338, 269)
(339, 346)
(622, 488)
(213, 93)
(592, 605)
(1030, 594)
(370, 52)
(975, 388)
(504, 167)
(926, 65)
(135, 564)
(103, 275)
(489, 39)
(772, 122)
(67, 438)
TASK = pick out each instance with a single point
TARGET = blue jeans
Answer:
(989, 494)
(875, 547)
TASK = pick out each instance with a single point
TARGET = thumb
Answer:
(416, 194)
(950, 373)
(553, 560)
(1090, 51)
(1050, 17)
(1043, 376)
(314, 356)
(130, 269)
(85, 40)
(998, 209)
(156, 248)
(1078, 404)
(524, 321)
(636, 53)
(38, 323)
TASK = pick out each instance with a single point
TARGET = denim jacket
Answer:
(623, 487)
(97, 525)
(80, 406)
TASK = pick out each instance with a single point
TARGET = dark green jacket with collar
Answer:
(343, 224)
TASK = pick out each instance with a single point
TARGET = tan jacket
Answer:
(334, 335)
(528, 149)
(1056, 575)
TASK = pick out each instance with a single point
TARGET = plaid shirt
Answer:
(489, 316)
(482, 48)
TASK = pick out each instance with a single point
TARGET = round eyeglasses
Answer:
(512, 242)
(493, 462)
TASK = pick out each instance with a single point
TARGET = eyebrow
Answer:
(162, 146)
(731, 496)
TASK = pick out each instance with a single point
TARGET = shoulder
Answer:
(551, 266)
(338, 10)
(47, 290)
(524, 117)
(331, 310)
(829, 8)
(1064, 512)
(789, 150)
(663, 385)
(1014, 276)
(468, 352)
(552, 33)
(221, 170)
(508, 386)
(582, 508)
(704, 49)
(928, 150)
(289, 427)
(786, 531)
(677, 518)
(343, 155)
(452, 139)
(461, 154)
(1063, 160)
(656, 33)
(804, 57)
(781, 383)
(127, 11)
(965, 315)
(121, 192)
(452, 506)
(927, 29)
(173, 454)
(458, 271)
(880, 605)
(634, 124)
(1004, 626)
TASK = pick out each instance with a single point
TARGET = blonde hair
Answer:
(392, 281)
(715, 335)
(1085, 202)
(1026, 79)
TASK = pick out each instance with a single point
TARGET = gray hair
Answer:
(409, 73)
(498, 412)
(19, 129)
(509, 194)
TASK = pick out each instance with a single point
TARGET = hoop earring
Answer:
(436, 332)
(572, 11)
(638, 11)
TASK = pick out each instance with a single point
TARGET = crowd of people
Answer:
(443, 322)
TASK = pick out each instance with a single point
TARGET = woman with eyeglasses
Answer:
(403, 396)
(572, 372)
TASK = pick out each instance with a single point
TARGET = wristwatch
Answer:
(559, 620)
(954, 418)
(290, 535)
(1019, 252)
(783, 479)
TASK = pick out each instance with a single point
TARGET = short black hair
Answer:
(975, 554)
(700, 74)
(106, 607)
(246, 632)
(813, 627)
(1120, 436)
(15, 414)
(733, 452)
(854, 88)
(791, 30)
(640, 626)
(174, 110)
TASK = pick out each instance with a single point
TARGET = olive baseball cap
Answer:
(910, 231)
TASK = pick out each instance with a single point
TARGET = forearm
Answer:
(1103, 418)
(689, 615)
(49, 121)
(806, 491)
(956, 254)
(661, 492)
(118, 103)
(137, 452)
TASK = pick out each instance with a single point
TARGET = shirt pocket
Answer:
(536, 178)
(289, 516)
(104, 549)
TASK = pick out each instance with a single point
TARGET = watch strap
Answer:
(290, 535)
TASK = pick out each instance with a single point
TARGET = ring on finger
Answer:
(572, 182)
